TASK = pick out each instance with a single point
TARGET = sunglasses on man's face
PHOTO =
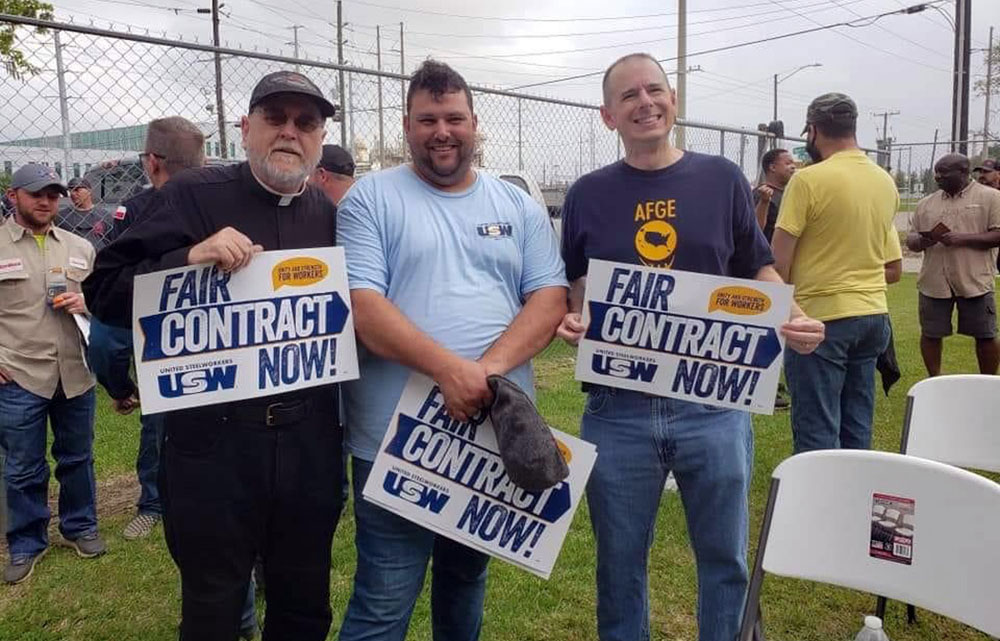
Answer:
(306, 123)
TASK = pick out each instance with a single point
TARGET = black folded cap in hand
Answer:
(527, 447)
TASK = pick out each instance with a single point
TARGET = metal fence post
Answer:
(520, 154)
(722, 143)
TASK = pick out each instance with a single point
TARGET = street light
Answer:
(776, 81)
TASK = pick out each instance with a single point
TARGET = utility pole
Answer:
(381, 130)
(934, 149)
(350, 109)
(295, 42)
(67, 141)
(679, 137)
(775, 115)
(886, 142)
(402, 91)
(340, 77)
(989, 88)
(220, 111)
(960, 86)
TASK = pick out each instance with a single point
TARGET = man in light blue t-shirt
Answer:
(457, 275)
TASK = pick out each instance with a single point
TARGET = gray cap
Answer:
(34, 178)
(290, 82)
(335, 159)
(831, 107)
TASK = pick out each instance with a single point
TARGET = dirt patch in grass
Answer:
(114, 496)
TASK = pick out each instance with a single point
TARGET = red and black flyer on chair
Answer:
(892, 528)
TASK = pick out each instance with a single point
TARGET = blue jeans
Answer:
(640, 439)
(392, 562)
(23, 418)
(110, 356)
(833, 389)
(147, 464)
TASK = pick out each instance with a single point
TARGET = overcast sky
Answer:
(901, 63)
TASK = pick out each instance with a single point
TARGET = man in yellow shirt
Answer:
(835, 241)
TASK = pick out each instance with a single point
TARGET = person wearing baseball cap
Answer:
(988, 174)
(43, 375)
(335, 172)
(83, 217)
(836, 242)
(225, 215)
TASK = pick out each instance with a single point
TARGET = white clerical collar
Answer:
(283, 199)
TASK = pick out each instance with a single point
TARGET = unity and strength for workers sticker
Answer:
(892, 528)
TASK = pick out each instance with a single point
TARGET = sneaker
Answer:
(782, 402)
(20, 569)
(671, 483)
(140, 526)
(87, 546)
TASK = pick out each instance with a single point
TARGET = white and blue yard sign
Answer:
(709, 339)
(203, 336)
(448, 477)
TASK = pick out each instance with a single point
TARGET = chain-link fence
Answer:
(912, 164)
(83, 112)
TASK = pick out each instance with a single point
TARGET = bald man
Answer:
(958, 230)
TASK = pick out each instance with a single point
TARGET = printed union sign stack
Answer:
(696, 337)
(448, 477)
(202, 336)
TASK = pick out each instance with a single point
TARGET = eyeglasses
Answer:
(305, 123)
(153, 154)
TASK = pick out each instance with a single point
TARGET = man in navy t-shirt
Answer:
(664, 207)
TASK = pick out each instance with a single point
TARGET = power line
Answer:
(860, 41)
(574, 19)
(659, 27)
(739, 45)
(633, 43)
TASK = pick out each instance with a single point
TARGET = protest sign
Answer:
(203, 336)
(448, 477)
(696, 337)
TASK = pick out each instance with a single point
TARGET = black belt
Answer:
(272, 415)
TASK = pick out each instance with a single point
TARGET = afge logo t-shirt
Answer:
(695, 215)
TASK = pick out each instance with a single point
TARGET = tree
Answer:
(13, 60)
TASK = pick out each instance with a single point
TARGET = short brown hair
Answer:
(178, 141)
(624, 59)
(438, 79)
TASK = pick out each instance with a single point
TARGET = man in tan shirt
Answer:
(43, 375)
(958, 229)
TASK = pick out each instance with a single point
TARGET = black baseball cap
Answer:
(336, 160)
(831, 107)
(290, 82)
(78, 182)
(34, 178)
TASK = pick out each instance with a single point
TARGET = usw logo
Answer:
(197, 381)
(415, 492)
(623, 368)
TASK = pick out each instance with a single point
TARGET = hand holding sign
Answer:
(463, 384)
(571, 329)
(228, 248)
(803, 334)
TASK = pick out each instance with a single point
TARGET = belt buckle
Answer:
(268, 416)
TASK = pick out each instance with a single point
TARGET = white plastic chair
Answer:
(955, 420)
(818, 526)
(952, 419)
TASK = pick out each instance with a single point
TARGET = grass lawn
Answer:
(132, 592)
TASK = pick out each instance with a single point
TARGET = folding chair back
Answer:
(910, 529)
(956, 420)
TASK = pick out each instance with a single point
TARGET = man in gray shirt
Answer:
(82, 216)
